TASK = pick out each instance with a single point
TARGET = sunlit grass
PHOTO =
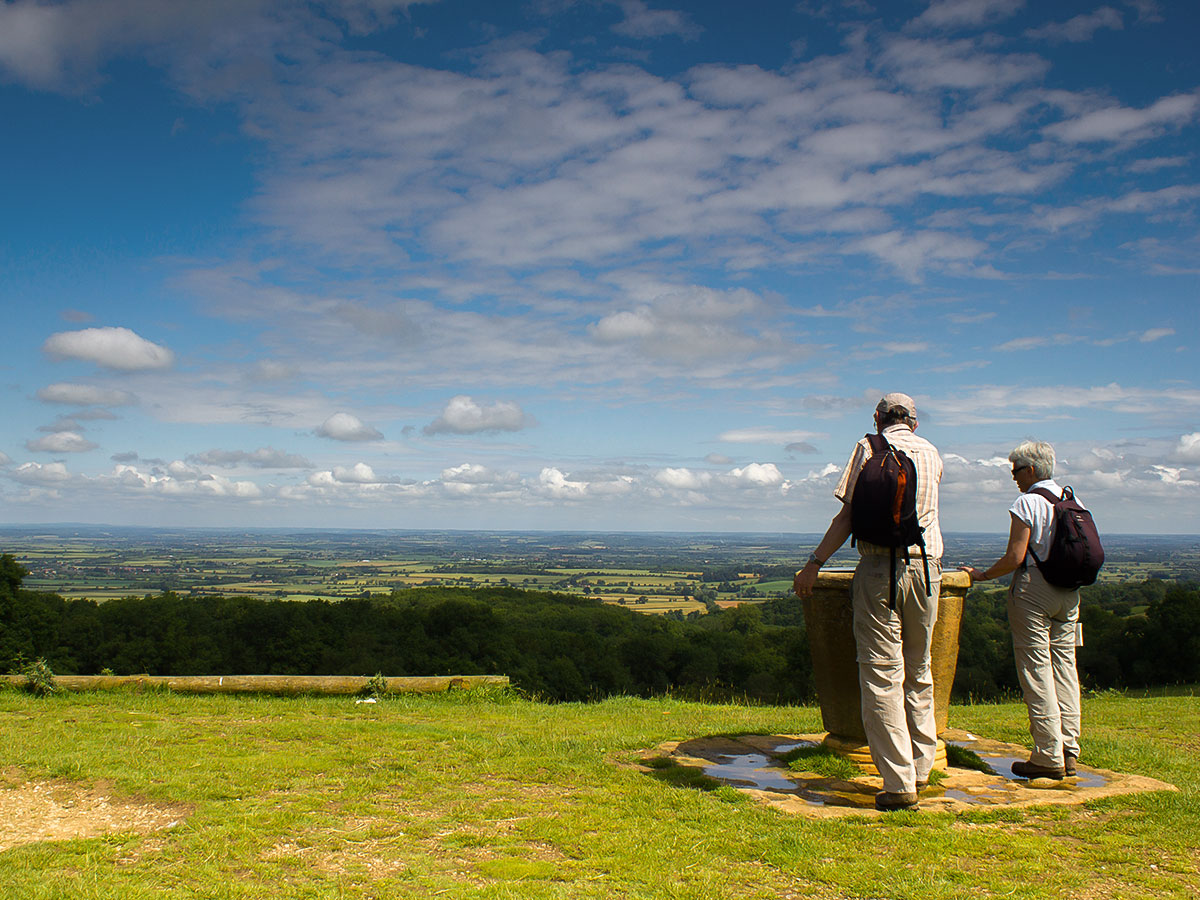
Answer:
(486, 794)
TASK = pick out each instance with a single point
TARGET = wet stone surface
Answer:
(754, 764)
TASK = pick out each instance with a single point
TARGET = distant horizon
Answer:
(18, 526)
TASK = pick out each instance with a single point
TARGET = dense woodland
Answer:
(556, 646)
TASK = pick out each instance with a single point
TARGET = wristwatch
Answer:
(813, 558)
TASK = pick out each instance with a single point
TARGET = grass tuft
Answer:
(821, 761)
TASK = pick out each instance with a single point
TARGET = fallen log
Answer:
(271, 684)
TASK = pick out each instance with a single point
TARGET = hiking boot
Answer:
(1033, 770)
(1069, 764)
(887, 801)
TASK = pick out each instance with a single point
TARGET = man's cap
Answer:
(897, 403)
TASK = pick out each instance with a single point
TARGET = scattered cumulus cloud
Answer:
(967, 13)
(757, 475)
(1188, 448)
(1080, 28)
(359, 473)
(1123, 123)
(640, 21)
(1154, 334)
(766, 436)
(38, 473)
(559, 486)
(342, 426)
(262, 458)
(683, 479)
(62, 442)
(463, 415)
(68, 394)
(118, 349)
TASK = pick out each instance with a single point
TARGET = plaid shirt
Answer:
(929, 474)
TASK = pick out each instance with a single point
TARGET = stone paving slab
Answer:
(751, 763)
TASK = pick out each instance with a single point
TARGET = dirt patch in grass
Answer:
(33, 811)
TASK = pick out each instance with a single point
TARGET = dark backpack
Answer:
(1075, 555)
(883, 509)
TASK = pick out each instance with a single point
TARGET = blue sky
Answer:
(603, 264)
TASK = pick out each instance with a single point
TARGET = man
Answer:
(893, 644)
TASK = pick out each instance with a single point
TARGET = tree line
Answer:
(554, 646)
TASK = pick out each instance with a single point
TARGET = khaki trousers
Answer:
(894, 672)
(1043, 619)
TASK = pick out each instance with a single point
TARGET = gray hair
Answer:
(1037, 454)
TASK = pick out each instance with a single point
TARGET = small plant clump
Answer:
(962, 758)
(376, 686)
(821, 761)
(39, 678)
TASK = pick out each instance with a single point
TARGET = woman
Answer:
(1043, 618)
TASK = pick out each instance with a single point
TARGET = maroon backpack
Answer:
(1076, 554)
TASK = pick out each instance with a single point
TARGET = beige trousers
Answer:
(1043, 619)
(894, 672)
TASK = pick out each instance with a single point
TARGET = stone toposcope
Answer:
(829, 618)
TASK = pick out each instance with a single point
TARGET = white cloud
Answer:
(343, 426)
(1123, 123)
(262, 458)
(181, 471)
(474, 474)
(359, 473)
(967, 13)
(1062, 401)
(463, 415)
(642, 22)
(61, 424)
(180, 481)
(556, 484)
(757, 475)
(112, 348)
(682, 479)
(1080, 28)
(1174, 475)
(37, 473)
(691, 324)
(767, 436)
(1154, 334)
(5, 460)
(69, 394)
(62, 442)
(911, 253)
(1188, 448)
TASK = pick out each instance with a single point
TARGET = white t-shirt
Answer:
(1038, 513)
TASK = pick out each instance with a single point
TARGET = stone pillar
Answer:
(829, 618)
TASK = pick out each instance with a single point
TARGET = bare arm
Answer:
(1018, 544)
(835, 536)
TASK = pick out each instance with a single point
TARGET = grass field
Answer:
(485, 794)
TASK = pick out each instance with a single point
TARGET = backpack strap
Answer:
(892, 582)
(1046, 494)
(1049, 494)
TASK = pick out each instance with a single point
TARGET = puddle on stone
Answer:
(762, 772)
(751, 770)
(1002, 765)
(983, 796)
